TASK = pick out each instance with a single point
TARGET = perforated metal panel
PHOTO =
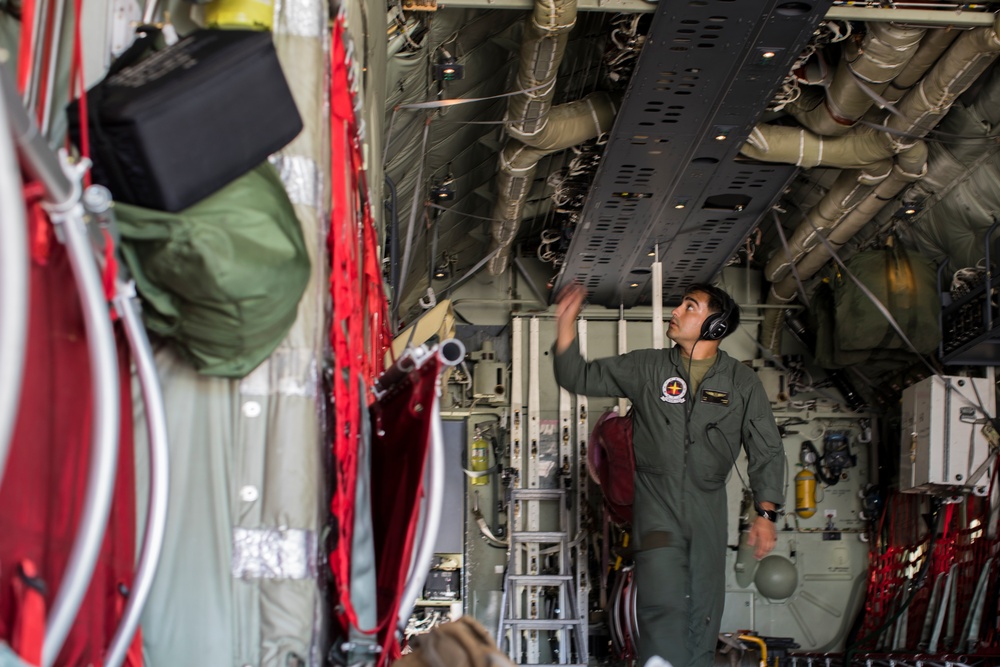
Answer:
(669, 175)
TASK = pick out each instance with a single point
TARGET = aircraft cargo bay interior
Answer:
(499, 332)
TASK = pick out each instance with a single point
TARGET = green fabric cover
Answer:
(221, 279)
(906, 284)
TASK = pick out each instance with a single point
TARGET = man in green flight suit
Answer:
(693, 406)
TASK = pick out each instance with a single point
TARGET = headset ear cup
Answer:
(710, 327)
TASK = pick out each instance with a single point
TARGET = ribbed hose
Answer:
(882, 54)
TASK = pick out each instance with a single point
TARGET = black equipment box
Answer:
(178, 125)
(443, 585)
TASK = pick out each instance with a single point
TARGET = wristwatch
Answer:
(767, 514)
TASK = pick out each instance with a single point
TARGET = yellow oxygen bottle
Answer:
(479, 460)
(805, 493)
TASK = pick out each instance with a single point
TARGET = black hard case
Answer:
(172, 129)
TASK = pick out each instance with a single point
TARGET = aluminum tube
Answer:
(104, 437)
(420, 565)
(657, 304)
(149, 14)
(50, 75)
(39, 160)
(34, 79)
(14, 283)
(128, 308)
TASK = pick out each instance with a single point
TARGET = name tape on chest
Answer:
(713, 396)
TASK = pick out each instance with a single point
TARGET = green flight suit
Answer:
(685, 447)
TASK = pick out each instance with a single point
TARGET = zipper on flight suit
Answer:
(687, 427)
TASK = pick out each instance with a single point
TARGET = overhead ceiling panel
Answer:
(706, 72)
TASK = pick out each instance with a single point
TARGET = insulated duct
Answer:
(876, 60)
(918, 112)
(934, 43)
(536, 129)
(851, 188)
(910, 165)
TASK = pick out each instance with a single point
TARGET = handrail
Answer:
(451, 352)
(48, 103)
(128, 308)
(14, 282)
(61, 182)
(104, 432)
(40, 161)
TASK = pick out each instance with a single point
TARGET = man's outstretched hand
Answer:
(569, 304)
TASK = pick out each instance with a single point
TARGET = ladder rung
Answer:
(537, 494)
(536, 536)
(541, 623)
(540, 579)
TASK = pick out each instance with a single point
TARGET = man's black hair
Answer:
(718, 298)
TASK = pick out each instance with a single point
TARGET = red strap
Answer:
(39, 228)
(28, 633)
(359, 334)
(110, 269)
(344, 283)
(77, 85)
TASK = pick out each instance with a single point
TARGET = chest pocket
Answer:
(659, 431)
(716, 423)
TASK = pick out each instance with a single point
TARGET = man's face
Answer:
(687, 318)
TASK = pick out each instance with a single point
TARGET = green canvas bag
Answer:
(221, 279)
(906, 284)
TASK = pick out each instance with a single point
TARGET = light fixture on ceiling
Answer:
(443, 191)
(634, 285)
(442, 272)
(447, 68)
(768, 54)
(721, 132)
(908, 210)
(680, 203)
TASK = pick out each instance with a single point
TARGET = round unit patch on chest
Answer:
(674, 390)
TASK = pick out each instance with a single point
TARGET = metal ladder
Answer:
(522, 614)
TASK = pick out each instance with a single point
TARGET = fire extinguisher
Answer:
(479, 459)
(805, 493)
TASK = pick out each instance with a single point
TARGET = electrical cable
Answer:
(460, 213)
(440, 104)
(417, 188)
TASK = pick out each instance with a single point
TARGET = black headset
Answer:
(716, 325)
